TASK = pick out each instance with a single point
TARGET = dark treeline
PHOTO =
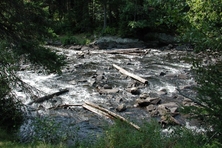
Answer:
(122, 17)
(195, 21)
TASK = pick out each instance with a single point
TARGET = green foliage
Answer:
(79, 39)
(109, 31)
(155, 16)
(69, 40)
(121, 135)
(10, 108)
(204, 19)
(24, 27)
(9, 140)
(10, 111)
(209, 79)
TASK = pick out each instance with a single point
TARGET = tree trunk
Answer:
(105, 14)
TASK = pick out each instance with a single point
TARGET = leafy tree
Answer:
(209, 98)
(23, 28)
(205, 24)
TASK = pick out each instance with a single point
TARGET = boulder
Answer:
(144, 96)
(162, 110)
(121, 108)
(188, 102)
(147, 101)
(134, 90)
(164, 120)
(154, 101)
(142, 102)
(151, 107)
(172, 108)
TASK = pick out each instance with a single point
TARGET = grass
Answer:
(121, 135)
(9, 140)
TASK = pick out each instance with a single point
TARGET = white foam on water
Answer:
(50, 84)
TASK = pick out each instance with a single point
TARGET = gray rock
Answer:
(151, 107)
(106, 86)
(121, 108)
(73, 82)
(172, 108)
(144, 96)
(162, 110)
(147, 101)
(187, 102)
(154, 101)
(142, 102)
(134, 90)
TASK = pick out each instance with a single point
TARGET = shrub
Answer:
(209, 94)
(10, 108)
(204, 19)
(151, 136)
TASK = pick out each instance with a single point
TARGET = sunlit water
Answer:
(78, 75)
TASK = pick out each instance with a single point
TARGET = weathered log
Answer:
(123, 71)
(108, 91)
(126, 51)
(95, 110)
(65, 106)
(42, 99)
(104, 111)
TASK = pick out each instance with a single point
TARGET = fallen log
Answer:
(97, 111)
(65, 106)
(102, 111)
(42, 99)
(123, 71)
(126, 51)
(108, 91)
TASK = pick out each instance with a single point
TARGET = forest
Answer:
(26, 26)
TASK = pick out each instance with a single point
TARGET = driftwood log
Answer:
(127, 51)
(105, 112)
(42, 99)
(65, 106)
(125, 72)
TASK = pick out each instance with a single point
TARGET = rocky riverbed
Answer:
(91, 76)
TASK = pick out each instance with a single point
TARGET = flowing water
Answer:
(85, 73)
